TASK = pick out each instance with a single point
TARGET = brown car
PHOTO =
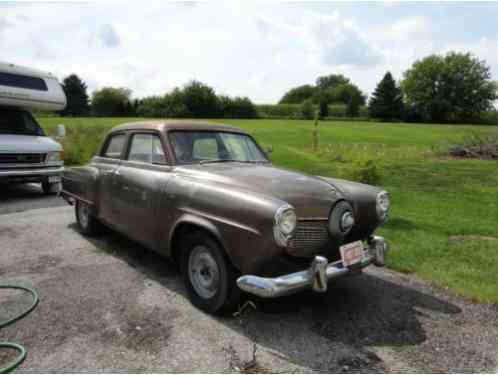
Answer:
(207, 196)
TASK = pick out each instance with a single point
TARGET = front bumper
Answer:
(38, 172)
(316, 277)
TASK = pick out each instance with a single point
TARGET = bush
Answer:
(366, 173)
(291, 111)
(237, 107)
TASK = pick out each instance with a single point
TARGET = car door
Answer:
(142, 178)
(107, 164)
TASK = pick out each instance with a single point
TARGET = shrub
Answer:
(366, 173)
(291, 111)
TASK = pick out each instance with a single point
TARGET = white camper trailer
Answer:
(26, 153)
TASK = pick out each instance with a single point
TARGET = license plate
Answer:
(54, 179)
(351, 253)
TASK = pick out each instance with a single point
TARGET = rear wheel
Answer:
(87, 223)
(209, 276)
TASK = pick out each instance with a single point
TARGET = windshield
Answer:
(18, 123)
(213, 146)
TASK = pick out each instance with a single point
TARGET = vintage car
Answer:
(208, 196)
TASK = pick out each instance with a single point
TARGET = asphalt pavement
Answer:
(108, 304)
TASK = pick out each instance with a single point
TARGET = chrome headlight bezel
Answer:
(284, 224)
(53, 157)
(383, 203)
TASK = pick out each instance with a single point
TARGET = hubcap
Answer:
(83, 214)
(203, 272)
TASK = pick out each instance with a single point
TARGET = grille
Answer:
(22, 158)
(309, 238)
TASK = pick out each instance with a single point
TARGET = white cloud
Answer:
(240, 48)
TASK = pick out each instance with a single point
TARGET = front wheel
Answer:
(209, 276)
(87, 223)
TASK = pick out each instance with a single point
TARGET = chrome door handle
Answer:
(117, 173)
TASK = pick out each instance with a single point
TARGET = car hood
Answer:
(26, 144)
(310, 196)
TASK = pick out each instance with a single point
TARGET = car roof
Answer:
(166, 125)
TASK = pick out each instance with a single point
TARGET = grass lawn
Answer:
(444, 218)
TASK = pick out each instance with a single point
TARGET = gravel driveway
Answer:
(108, 304)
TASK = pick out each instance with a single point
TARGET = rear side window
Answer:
(146, 148)
(23, 82)
(114, 147)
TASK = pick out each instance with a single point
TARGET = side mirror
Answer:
(61, 131)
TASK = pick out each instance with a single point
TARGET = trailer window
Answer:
(16, 122)
(23, 82)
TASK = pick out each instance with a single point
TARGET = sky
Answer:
(240, 48)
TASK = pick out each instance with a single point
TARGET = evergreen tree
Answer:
(386, 102)
(77, 98)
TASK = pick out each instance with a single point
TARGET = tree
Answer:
(451, 87)
(331, 81)
(307, 109)
(352, 96)
(323, 108)
(110, 101)
(298, 94)
(200, 100)
(386, 102)
(77, 98)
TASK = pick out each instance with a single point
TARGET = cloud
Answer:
(108, 36)
(4, 24)
(255, 49)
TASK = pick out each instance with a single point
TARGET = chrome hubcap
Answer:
(83, 213)
(203, 272)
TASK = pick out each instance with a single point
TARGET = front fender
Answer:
(241, 221)
(364, 199)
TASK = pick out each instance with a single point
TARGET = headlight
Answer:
(383, 204)
(284, 224)
(341, 219)
(53, 157)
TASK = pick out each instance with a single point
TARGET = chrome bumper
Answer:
(31, 172)
(316, 277)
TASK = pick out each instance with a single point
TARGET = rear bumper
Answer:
(315, 277)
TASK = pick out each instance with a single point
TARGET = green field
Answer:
(444, 219)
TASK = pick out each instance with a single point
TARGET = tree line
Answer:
(194, 100)
(454, 87)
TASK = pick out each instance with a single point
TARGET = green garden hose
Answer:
(22, 352)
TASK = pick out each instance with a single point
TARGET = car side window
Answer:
(146, 148)
(114, 146)
(205, 148)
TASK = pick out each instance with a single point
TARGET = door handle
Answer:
(117, 173)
